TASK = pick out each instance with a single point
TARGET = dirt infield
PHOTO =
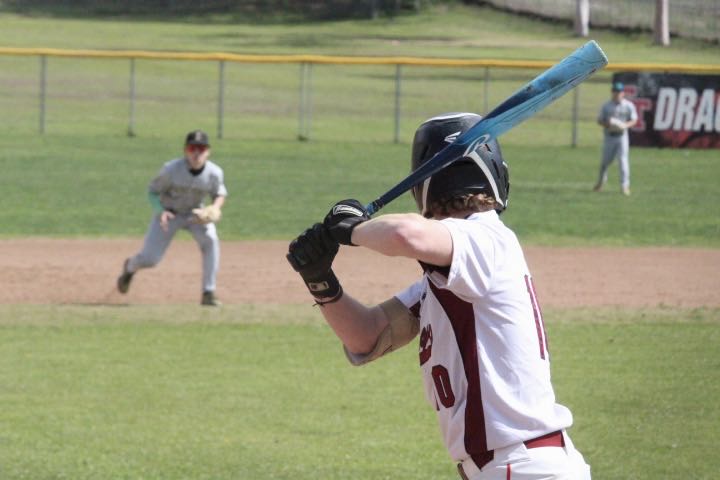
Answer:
(78, 271)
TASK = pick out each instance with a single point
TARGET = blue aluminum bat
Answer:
(526, 102)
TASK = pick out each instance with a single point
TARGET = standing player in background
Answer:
(482, 350)
(176, 195)
(616, 116)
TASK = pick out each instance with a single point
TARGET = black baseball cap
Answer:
(618, 87)
(197, 137)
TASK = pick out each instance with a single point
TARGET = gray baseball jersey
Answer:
(180, 191)
(625, 111)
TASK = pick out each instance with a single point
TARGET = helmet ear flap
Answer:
(499, 173)
(420, 194)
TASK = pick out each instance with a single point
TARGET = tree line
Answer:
(310, 9)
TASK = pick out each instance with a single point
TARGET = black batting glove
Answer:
(343, 217)
(311, 255)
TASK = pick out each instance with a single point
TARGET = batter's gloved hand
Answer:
(343, 217)
(311, 255)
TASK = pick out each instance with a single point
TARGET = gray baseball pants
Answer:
(616, 147)
(157, 241)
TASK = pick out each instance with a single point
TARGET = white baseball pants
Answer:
(517, 462)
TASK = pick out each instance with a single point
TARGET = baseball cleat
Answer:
(123, 281)
(626, 191)
(597, 187)
(209, 299)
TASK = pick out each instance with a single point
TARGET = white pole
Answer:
(582, 18)
(662, 23)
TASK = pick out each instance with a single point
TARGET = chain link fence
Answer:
(100, 94)
(368, 99)
(688, 18)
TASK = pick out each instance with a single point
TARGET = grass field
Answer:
(244, 393)
(263, 391)
(98, 188)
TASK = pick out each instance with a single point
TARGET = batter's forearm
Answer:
(356, 325)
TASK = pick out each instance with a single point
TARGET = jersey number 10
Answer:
(441, 376)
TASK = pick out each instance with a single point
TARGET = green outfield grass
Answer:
(96, 186)
(172, 392)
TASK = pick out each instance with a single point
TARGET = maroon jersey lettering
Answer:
(425, 344)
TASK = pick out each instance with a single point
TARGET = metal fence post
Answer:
(131, 120)
(486, 88)
(221, 98)
(301, 108)
(305, 114)
(398, 86)
(575, 110)
(309, 102)
(43, 91)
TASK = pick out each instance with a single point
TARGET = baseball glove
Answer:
(616, 125)
(209, 214)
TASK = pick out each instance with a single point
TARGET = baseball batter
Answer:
(482, 350)
(616, 117)
(176, 195)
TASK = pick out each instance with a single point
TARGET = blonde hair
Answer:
(469, 202)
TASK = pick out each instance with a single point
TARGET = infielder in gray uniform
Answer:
(616, 117)
(176, 195)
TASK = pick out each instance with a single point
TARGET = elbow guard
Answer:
(402, 327)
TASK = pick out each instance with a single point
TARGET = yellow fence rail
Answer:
(342, 60)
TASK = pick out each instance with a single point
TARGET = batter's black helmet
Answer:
(482, 171)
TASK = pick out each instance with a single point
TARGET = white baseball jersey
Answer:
(180, 191)
(483, 352)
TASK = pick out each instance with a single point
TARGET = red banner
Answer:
(674, 110)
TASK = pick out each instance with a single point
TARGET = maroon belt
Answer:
(554, 439)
